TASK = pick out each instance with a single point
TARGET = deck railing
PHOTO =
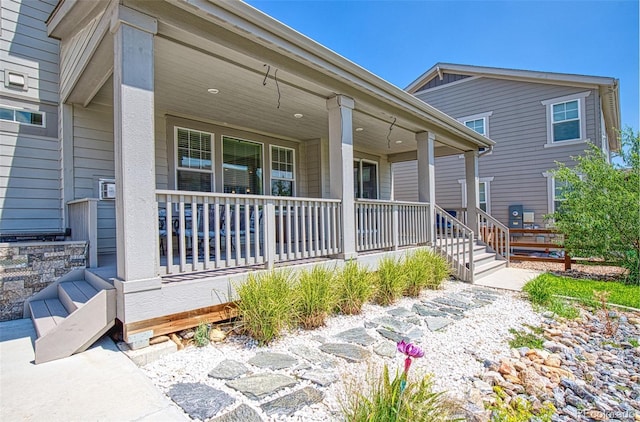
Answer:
(205, 231)
(391, 224)
(494, 234)
(83, 221)
(455, 241)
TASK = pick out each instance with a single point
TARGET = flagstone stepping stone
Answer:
(198, 400)
(259, 386)
(356, 335)
(400, 312)
(393, 324)
(348, 352)
(242, 413)
(322, 378)
(386, 348)
(391, 335)
(427, 311)
(228, 370)
(319, 339)
(313, 355)
(437, 323)
(273, 360)
(291, 403)
(448, 301)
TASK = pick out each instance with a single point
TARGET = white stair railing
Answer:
(455, 241)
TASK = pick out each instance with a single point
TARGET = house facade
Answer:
(193, 142)
(536, 120)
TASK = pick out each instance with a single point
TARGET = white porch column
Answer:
(133, 113)
(341, 167)
(427, 175)
(473, 195)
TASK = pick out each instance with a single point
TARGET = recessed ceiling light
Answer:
(213, 90)
(398, 142)
(359, 129)
(298, 115)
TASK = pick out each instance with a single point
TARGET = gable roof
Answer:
(608, 87)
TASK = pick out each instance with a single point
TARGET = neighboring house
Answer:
(194, 137)
(535, 118)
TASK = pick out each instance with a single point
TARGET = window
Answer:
(242, 165)
(365, 179)
(484, 193)
(477, 125)
(282, 171)
(560, 189)
(25, 117)
(566, 119)
(194, 161)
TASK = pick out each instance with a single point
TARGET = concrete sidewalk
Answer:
(508, 278)
(99, 384)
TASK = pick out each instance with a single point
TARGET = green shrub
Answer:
(353, 287)
(381, 400)
(201, 335)
(440, 270)
(266, 304)
(538, 290)
(418, 273)
(518, 409)
(390, 281)
(314, 297)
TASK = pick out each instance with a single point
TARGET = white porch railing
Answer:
(204, 231)
(455, 241)
(391, 224)
(493, 233)
(83, 222)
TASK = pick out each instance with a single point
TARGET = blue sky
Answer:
(399, 40)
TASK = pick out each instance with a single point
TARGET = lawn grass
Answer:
(620, 293)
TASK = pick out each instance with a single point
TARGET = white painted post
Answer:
(341, 167)
(395, 227)
(269, 221)
(134, 136)
(427, 177)
(473, 195)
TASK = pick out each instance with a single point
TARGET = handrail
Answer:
(494, 234)
(455, 240)
(83, 221)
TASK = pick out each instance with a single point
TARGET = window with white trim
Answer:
(242, 166)
(22, 116)
(484, 193)
(283, 174)
(477, 125)
(365, 179)
(194, 160)
(560, 189)
(566, 122)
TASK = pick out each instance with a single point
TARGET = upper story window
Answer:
(194, 160)
(242, 166)
(566, 122)
(365, 179)
(21, 116)
(282, 171)
(477, 125)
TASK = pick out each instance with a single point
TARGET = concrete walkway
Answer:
(508, 278)
(99, 384)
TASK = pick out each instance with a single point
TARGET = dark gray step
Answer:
(46, 314)
(74, 294)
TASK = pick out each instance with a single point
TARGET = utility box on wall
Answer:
(515, 216)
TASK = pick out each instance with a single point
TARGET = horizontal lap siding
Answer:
(519, 127)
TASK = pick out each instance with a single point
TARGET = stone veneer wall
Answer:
(28, 267)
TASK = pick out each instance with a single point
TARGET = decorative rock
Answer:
(199, 400)
(400, 312)
(158, 340)
(385, 348)
(313, 355)
(349, 352)
(393, 324)
(323, 378)
(356, 335)
(272, 360)
(216, 335)
(259, 386)
(242, 413)
(454, 302)
(187, 334)
(437, 323)
(291, 403)
(428, 311)
(228, 370)
(392, 335)
(176, 340)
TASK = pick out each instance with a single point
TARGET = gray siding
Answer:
(30, 189)
(447, 78)
(519, 127)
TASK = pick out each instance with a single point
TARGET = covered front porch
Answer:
(236, 143)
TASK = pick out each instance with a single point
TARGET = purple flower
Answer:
(410, 349)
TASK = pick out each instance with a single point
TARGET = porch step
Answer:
(488, 268)
(70, 315)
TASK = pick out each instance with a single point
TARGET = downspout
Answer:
(486, 151)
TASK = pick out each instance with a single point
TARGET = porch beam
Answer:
(473, 194)
(133, 109)
(427, 175)
(341, 167)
